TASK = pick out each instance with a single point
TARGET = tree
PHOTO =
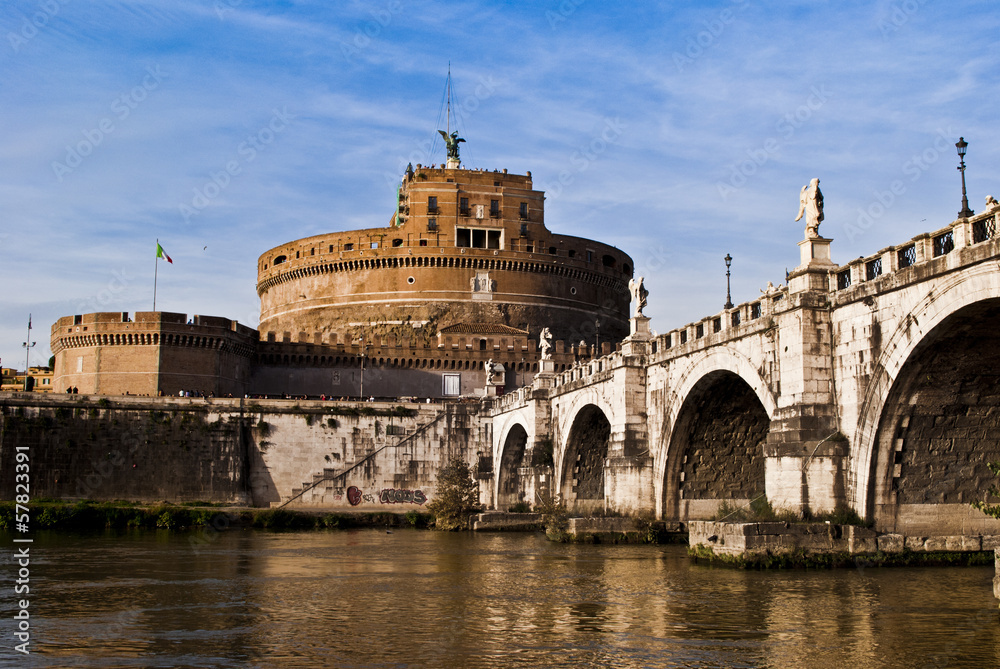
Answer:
(992, 510)
(457, 496)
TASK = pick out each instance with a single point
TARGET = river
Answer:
(418, 598)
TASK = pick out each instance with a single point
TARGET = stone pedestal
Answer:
(814, 266)
(453, 164)
(638, 327)
(546, 367)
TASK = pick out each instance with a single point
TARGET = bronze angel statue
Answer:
(452, 143)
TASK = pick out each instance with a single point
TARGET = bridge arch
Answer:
(927, 416)
(509, 487)
(581, 460)
(508, 449)
(718, 415)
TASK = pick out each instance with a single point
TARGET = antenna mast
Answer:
(448, 112)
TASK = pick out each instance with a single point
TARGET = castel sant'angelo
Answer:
(465, 273)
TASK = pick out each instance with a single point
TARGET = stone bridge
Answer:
(871, 386)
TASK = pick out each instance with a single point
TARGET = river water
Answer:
(418, 598)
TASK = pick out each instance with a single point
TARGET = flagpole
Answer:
(156, 266)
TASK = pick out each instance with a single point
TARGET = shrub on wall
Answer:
(457, 496)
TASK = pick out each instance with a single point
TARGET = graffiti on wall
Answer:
(355, 496)
(393, 496)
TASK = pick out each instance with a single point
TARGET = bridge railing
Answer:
(742, 319)
(589, 369)
(923, 248)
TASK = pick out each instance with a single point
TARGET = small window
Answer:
(699, 331)
(590, 256)
(312, 251)
(717, 324)
(432, 224)
(626, 269)
(452, 385)
(374, 245)
(736, 318)
(297, 254)
(495, 208)
(432, 204)
(755, 311)
(423, 242)
(463, 237)
(684, 336)
(571, 253)
(493, 239)
(463, 206)
(397, 242)
(348, 247)
(331, 249)
(529, 248)
(522, 211)
(552, 250)
(278, 260)
(609, 261)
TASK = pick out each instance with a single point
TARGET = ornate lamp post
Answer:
(729, 300)
(28, 345)
(962, 146)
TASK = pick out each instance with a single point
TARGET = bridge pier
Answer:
(805, 453)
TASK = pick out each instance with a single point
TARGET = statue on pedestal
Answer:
(452, 143)
(489, 371)
(639, 294)
(545, 344)
(811, 206)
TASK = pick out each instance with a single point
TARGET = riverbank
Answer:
(87, 515)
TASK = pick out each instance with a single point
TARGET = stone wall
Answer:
(363, 456)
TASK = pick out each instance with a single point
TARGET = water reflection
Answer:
(419, 598)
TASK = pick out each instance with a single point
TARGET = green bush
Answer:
(457, 496)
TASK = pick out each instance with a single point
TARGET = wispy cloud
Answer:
(364, 81)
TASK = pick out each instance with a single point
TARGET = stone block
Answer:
(990, 542)
(915, 543)
(972, 543)
(890, 543)
(936, 544)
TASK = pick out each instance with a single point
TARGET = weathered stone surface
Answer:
(891, 543)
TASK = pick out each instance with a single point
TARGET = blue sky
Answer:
(678, 132)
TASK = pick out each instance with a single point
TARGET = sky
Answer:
(676, 131)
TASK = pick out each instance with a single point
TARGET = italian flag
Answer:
(160, 253)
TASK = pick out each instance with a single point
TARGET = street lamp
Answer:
(729, 300)
(597, 346)
(28, 345)
(962, 146)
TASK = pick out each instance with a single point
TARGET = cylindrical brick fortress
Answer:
(464, 247)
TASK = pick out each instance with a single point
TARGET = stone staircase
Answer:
(328, 483)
